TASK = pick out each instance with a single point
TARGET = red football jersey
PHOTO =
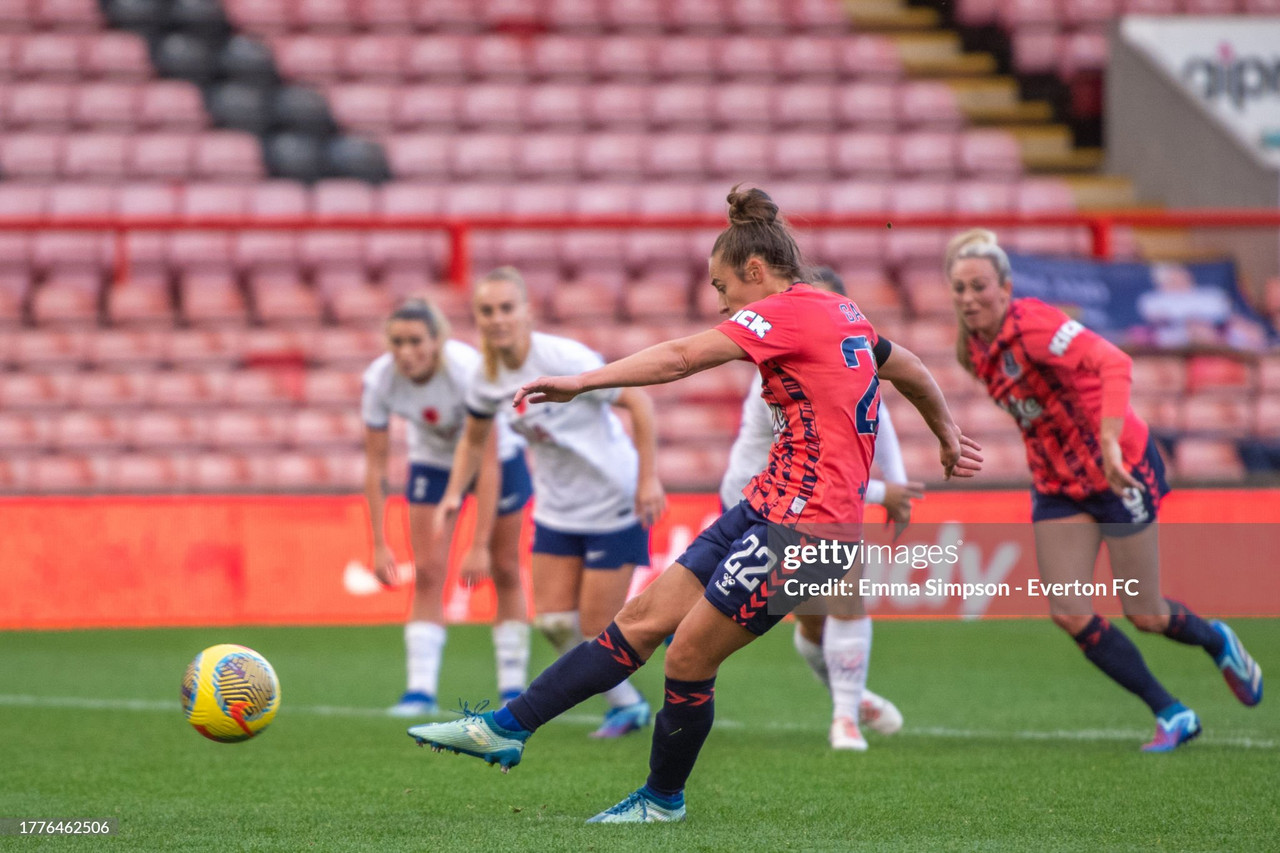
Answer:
(1058, 380)
(814, 351)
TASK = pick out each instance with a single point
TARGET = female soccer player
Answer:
(837, 646)
(818, 358)
(597, 492)
(423, 378)
(1097, 476)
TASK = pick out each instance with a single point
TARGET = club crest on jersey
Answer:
(752, 322)
(1011, 367)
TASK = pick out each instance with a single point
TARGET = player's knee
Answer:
(427, 576)
(1150, 623)
(1072, 623)
(639, 625)
(684, 663)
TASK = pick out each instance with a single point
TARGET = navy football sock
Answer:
(1111, 651)
(679, 731)
(1187, 627)
(580, 673)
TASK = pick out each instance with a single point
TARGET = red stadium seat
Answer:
(259, 18)
(571, 302)
(868, 104)
(391, 16)
(67, 300)
(421, 155)
(37, 156)
(607, 156)
(314, 59)
(438, 58)
(40, 106)
(497, 57)
(359, 305)
(108, 390)
(746, 58)
(684, 104)
(366, 107)
(83, 431)
(688, 58)
(228, 155)
(322, 15)
(677, 155)
(211, 297)
(1208, 460)
(618, 106)
(741, 105)
(801, 105)
(767, 17)
(218, 472)
(173, 105)
(632, 59)
(117, 56)
(107, 105)
(560, 57)
(143, 472)
(696, 16)
(742, 155)
(165, 430)
(49, 56)
(327, 387)
(809, 58)
(656, 299)
(280, 298)
(375, 58)
(556, 105)
(983, 197)
(26, 390)
(866, 154)
(61, 474)
(633, 16)
(242, 430)
(122, 349)
(98, 156)
(801, 154)
(926, 154)
(162, 156)
(67, 15)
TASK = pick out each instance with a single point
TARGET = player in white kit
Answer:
(837, 646)
(596, 491)
(423, 378)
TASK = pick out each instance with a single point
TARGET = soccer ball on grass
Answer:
(230, 693)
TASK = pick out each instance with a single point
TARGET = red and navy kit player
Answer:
(1097, 477)
(818, 359)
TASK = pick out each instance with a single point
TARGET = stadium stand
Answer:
(230, 361)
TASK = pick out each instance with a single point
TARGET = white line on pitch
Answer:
(1082, 735)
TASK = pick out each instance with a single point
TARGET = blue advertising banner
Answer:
(1163, 305)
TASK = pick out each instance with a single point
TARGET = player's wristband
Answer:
(875, 491)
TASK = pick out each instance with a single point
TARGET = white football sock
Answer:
(812, 654)
(846, 646)
(622, 695)
(511, 651)
(563, 630)
(424, 646)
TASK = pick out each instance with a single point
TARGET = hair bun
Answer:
(749, 207)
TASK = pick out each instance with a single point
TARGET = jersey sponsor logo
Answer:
(752, 322)
(1064, 336)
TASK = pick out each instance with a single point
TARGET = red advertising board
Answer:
(213, 560)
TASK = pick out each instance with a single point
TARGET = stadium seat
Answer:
(126, 349)
(165, 430)
(27, 391)
(40, 106)
(117, 56)
(60, 474)
(866, 104)
(242, 430)
(1207, 459)
(67, 300)
(329, 387)
(928, 103)
(865, 154)
(563, 58)
(218, 472)
(626, 58)
(211, 297)
(279, 298)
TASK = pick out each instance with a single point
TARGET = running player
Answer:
(837, 646)
(423, 378)
(1096, 476)
(818, 357)
(597, 492)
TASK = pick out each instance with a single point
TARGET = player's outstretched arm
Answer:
(959, 454)
(664, 362)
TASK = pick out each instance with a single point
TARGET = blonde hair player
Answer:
(1096, 476)
(837, 645)
(821, 362)
(423, 378)
(597, 492)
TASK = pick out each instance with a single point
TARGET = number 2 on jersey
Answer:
(852, 348)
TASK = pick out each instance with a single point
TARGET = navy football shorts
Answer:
(427, 483)
(1118, 516)
(626, 547)
(741, 560)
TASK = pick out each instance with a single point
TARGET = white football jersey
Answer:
(750, 451)
(435, 410)
(584, 464)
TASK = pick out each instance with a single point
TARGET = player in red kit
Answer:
(821, 362)
(1097, 476)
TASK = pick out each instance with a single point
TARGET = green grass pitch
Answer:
(1013, 742)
